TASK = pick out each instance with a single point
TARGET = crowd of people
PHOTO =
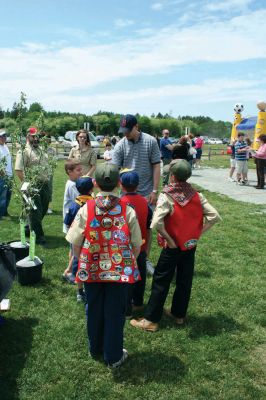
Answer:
(108, 222)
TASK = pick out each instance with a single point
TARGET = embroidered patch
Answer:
(107, 235)
(98, 211)
(104, 256)
(94, 248)
(128, 262)
(191, 243)
(128, 271)
(105, 249)
(123, 247)
(95, 256)
(94, 235)
(124, 278)
(83, 265)
(118, 268)
(126, 254)
(94, 277)
(114, 247)
(83, 275)
(86, 244)
(136, 274)
(115, 210)
(107, 223)
(119, 236)
(83, 257)
(95, 223)
(93, 267)
(105, 265)
(119, 222)
(116, 258)
(109, 276)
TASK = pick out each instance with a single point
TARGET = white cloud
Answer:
(122, 23)
(229, 5)
(157, 6)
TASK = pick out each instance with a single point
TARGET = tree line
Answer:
(107, 123)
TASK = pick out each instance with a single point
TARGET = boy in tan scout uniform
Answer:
(106, 238)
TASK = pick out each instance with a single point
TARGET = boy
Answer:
(84, 186)
(106, 238)
(181, 216)
(74, 171)
(129, 181)
(241, 149)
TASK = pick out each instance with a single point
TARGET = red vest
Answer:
(141, 207)
(185, 224)
(106, 254)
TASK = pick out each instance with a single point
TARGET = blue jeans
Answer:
(106, 319)
(5, 195)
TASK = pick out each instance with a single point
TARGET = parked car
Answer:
(70, 137)
(226, 140)
(99, 138)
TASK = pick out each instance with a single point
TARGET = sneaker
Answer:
(121, 361)
(149, 267)
(81, 298)
(49, 211)
(231, 179)
(178, 321)
(144, 324)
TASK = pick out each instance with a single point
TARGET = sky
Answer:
(140, 56)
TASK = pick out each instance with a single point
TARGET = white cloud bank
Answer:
(49, 74)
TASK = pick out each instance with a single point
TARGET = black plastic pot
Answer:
(20, 251)
(29, 272)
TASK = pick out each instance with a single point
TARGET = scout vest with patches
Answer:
(141, 207)
(185, 224)
(106, 254)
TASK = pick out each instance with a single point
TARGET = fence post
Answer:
(209, 154)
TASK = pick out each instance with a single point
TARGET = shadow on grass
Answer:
(212, 325)
(15, 344)
(54, 242)
(202, 274)
(137, 370)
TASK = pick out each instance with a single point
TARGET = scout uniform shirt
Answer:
(106, 254)
(87, 157)
(33, 157)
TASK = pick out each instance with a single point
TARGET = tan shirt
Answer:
(75, 234)
(87, 157)
(32, 157)
(165, 206)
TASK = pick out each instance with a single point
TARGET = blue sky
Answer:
(181, 57)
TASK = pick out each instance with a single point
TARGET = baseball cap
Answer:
(181, 169)
(127, 122)
(107, 176)
(84, 184)
(2, 133)
(129, 178)
(32, 131)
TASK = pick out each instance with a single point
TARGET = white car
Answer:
(70, 138)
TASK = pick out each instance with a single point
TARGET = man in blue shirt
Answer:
(166, 148)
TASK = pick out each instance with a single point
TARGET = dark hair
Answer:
(70, 165)
(182, 140)
(108, 144)
(88, 141)
(130, 189)
(262, 137)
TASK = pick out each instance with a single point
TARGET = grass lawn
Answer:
(219, 354)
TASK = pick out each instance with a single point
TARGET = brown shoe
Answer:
(144, 324)
(178, 321)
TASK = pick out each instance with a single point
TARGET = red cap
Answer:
(32, 131)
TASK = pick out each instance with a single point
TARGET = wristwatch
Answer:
(154, 191)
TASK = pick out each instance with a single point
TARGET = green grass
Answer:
(218, 355)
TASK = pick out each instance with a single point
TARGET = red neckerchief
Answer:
(181, 192)
(105, 203)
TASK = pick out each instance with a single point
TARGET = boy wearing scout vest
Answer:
(106, 238)
(180, 217)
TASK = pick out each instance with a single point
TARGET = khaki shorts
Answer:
(241, 166)
(232, 162)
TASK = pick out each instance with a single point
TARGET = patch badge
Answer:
(119, 222)
(126, 254)
(114, 247)
(128, 262)
(83, 257)
(105, 249)
(104, 256)
(95, 256)
(94, 248)
(115, 210)
(128, 271)
(136, 274)
(119, 237)
(124, 278)
(93, 267)
(116, 258)
(107, 223)
(109, 276)
(95, 223)
(86, 244)
(191, 243)
(107, 235)
(94, 277)
(118, 268)
(94, 235)
(105, 265)
(98, 211)
(83, 265)
(83, 275)
(123, 247)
